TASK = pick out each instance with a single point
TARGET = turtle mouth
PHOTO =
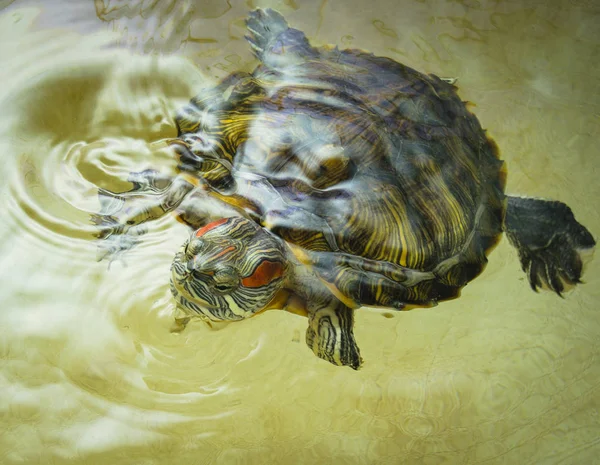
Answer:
(187, 289)
(192, 303)
(182, 279)
(182, 287)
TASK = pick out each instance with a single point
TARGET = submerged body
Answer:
(351, 179)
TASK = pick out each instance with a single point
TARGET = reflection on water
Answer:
(91, 373)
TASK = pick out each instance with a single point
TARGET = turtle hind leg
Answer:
(550, 242)
(271, 37)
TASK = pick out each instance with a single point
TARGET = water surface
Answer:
(91, 373)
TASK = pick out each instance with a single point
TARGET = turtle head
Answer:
(229, 269)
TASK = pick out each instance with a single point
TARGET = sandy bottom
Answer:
(90, 373)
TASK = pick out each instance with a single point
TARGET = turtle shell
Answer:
(377, 175)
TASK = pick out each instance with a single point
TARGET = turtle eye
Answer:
(225, 280)
(224, 288)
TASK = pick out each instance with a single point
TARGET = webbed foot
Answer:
(273, 41)
(330, 335)
(549, 240)
(122, 217)
(264, 27)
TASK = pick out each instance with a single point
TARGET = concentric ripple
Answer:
(103, 334)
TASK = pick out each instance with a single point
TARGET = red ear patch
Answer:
(265, 273)
(202, 231)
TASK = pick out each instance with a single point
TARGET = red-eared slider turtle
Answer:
(330, 179)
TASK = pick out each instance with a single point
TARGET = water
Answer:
(91, 373)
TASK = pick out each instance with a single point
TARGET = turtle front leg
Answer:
(330, 334)
(122, 217)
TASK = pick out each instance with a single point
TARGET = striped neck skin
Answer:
(228, 270)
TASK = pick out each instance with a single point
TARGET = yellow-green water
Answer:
(91, 374)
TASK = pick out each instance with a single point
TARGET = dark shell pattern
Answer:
(377, 172)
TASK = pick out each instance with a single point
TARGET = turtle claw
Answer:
(552, 245)
(116, 235)
(270, 38)
(449, 80)
(179, 324)
(115, 240)
(123, 217)
(264, 27)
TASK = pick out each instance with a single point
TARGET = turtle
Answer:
(327, 180)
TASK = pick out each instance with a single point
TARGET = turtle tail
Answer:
(270, 37)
